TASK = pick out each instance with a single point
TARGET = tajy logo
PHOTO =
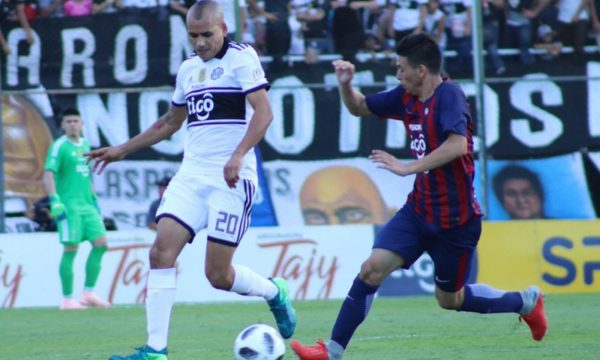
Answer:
(201, 107)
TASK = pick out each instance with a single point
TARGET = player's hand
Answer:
(344, 70)
(389, 162)
(57, 208)
(231, 171)
(103, 157)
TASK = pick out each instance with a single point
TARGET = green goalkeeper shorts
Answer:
(82, 222)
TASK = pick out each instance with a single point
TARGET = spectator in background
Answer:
(278, 35)
(39, 213)
(519, 16)
(150, 217)
(573, 17)
(435, 23)
(520, 192)
(314, 28)
(50, 8)
(348, 31)
(458, 30)
(14, 10)
(408, 18)
(546, 39)
(107, 6)
(78, 7)
(492, 16)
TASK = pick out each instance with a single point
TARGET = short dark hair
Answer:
(421, 49)
(70, 111)
(514, 171)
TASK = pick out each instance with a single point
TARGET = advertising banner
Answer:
(308, 257)
(559, 256)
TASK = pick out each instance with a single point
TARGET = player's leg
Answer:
(228, 220)
(94, 229)
(70, 238)
(170, 239)
(452, 253)
(400, 235)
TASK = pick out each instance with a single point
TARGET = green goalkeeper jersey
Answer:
(71, 174)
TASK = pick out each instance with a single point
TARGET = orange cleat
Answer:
(306, 352)
(535, 318)
(89, 298)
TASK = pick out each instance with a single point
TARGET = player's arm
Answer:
(57, 208)
(163, 128)
(262, 117)
(354, 100)
(454, 147)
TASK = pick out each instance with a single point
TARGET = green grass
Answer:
(397, 328)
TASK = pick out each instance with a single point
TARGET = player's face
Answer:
(520, 199)
(206, 35)
(72, 125)
(410, 77)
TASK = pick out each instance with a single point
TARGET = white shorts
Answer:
(198, 202)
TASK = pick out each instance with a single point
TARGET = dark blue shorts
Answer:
(450, 249)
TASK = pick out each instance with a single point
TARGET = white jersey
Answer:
(218, 111)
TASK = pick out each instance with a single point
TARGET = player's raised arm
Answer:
(354, 100)
(261, 119)
(163, 128)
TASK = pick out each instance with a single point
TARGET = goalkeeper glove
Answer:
(57, 208)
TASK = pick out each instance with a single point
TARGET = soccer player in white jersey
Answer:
(222, 93)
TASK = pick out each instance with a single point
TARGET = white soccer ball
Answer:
(259, 342)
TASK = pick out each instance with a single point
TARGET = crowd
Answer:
(312, 27)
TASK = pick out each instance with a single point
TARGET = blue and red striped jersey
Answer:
(445, 196)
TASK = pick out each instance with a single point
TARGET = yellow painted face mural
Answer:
(342, 195)
(26, 141)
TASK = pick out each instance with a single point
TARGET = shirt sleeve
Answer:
(454, 110)
(53, 157)
(249, 72)
(387, 104)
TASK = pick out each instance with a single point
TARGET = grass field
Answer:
(397, 328)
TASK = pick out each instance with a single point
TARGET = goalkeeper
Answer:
(74, 207)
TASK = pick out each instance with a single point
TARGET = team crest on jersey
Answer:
(217, 73)
(202, 75)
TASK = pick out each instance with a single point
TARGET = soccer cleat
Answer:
(307, 352)
(282, 309)
(71, 304)
(91, 299)
(143, 353)
(533, 312)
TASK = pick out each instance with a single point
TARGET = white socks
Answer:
(248, 283)
(160, 296)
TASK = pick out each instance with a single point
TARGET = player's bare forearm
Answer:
(354, 100)
(261, 119)
(49, 184)
(454, 147)
(162, 129)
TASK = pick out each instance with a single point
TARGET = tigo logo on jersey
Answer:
(201, 107)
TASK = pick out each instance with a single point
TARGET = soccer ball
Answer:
(259, 342)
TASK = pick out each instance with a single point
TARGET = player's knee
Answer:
(159, 257)
(218, 279)
(370, 273)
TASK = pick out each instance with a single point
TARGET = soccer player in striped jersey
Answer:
(441, 215)
(222, 93)
(74, 207)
